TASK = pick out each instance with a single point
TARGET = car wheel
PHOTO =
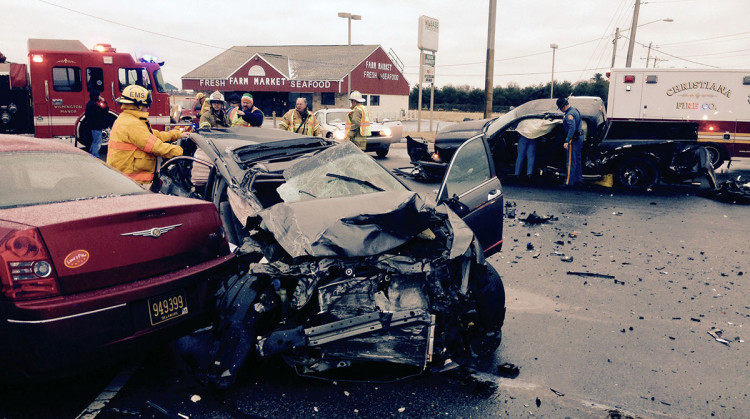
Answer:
(329, 135)
(490, 306)
(716, 154)
(637, 173)
(382, 151)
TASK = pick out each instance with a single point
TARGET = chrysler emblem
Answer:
(154, 232)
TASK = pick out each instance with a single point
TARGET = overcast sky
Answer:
(186, 34)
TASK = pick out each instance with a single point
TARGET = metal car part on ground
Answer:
(637, 158)
(344, 265)
(333, 125)
(91, 264)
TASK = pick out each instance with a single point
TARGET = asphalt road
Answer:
(665, 268)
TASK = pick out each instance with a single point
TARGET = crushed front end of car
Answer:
(346, 273)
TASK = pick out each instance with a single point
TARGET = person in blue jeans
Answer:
(96, 119)
(529, 131)
(526, 151)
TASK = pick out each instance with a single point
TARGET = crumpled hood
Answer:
(351, 226)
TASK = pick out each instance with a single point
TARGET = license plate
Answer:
(167, 307)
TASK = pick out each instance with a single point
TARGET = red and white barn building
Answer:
(277, 75)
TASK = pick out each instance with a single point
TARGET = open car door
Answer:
(473, 191)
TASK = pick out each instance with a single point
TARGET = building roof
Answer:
(295, 62)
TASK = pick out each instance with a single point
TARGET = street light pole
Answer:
(490, 70)
(349, 17)
(632, 39)
(634, 26)
(614, 47)
(552, 86)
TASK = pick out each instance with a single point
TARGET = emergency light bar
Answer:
(104, 48)
(151, 59)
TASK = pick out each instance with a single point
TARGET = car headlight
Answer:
(12, 108)
(339, 135)
(5, 117)
(385, 132)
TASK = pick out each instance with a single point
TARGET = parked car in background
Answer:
(635, 157)
(345, 265)
(183, 110)
(333, 125)
(91, 264)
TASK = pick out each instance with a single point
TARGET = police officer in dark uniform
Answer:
(573, 142)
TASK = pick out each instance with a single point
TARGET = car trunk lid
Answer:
(130, 238)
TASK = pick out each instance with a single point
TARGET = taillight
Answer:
(26, 272)
(436, 157)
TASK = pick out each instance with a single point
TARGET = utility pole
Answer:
(614, 47)
(633, 29)
(490, 60)
(648, 56)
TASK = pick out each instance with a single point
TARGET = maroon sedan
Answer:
(91, 263)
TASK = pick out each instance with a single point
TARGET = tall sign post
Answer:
(428, 41)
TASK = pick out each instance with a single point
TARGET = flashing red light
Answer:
(711, 128)
(629, 79)
(37, 58)
(103, 48)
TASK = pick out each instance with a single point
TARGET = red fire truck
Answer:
(49, 100)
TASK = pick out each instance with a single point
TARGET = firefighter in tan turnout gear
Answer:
(216, 117)
(300, 120)
(133, 145)
(358, 121)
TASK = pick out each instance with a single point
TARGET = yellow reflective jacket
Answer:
(292, 121)
(358, 123)
(134, 146)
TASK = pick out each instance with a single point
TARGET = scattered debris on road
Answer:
(508, 370)
(592, 274)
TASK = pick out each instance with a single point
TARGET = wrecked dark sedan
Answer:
(636, 155)
(345, 266)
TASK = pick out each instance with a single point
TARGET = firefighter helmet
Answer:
(199, 96)
(356, 96)
(216, 97)
(136, 95)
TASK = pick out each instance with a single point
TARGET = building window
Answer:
(66, 79)
(375, 100)
(364, 97)
(328, 99)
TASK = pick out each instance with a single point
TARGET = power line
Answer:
(129, 26)
(673, 56)
(703, 39)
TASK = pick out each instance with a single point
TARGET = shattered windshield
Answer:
(338, 171)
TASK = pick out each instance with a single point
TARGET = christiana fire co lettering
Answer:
(700, 85)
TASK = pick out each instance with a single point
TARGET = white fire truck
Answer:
(718, 100)
(50, 98)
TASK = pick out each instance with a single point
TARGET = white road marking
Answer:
(110, 391)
